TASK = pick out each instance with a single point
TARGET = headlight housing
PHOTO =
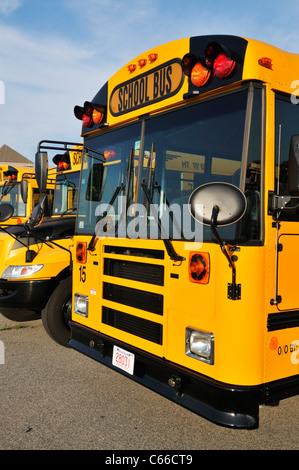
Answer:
(15, 272)
(81, 304)
(200, 345)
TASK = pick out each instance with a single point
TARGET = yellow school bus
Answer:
(35, 273)
(185, 249)
(18, 187)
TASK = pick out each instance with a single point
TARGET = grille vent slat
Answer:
(141, 272)
(140, 327)
(136, 298)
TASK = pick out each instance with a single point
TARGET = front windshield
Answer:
(172, 154)
(66, 193)
(11, 194)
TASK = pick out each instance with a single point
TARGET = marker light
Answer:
(153, 57)
(132, 68)
(199, 267)
(200, 74)
(142, 63)
(265, 62)
(81, 252)
(200, 345)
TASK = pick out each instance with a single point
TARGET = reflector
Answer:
(200, 74)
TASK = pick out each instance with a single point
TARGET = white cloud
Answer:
(44, 79)
(8, 6)
(46, 75)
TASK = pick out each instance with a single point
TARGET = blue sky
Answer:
(55, 54)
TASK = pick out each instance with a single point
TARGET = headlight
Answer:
(14, 272)
(81, 304)
(200, 345)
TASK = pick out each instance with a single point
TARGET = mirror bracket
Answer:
(233, 289)
(277, 203)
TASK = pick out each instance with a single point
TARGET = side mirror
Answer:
(36, 217)
(229, 200)
(24, 191)
(41, 170)
(219, 205)
(6, 211)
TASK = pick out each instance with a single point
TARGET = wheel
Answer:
(21, 314)
(57, 313)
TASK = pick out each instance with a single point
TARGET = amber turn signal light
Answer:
(81, 252)
(199, 267)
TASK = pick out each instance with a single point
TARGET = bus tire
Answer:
(20, 314)
(57, 313)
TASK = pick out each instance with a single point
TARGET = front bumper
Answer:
(224, 404)
(32, 295)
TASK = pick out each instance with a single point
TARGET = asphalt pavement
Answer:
(53, 398)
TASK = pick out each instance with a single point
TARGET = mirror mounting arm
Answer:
(234, 290)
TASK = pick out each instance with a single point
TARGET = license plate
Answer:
(122, 359)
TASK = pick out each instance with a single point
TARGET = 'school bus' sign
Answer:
(158, 84)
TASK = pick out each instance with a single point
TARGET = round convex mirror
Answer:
(6, 211)
(229, 199)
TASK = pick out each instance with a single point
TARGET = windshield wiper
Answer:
(123, 187)
(168, 245)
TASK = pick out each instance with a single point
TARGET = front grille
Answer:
(124, 263)
(141, 272)
(136, 298)
(140, 327)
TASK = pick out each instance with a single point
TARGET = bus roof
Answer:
(170, 73)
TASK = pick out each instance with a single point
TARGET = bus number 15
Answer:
(82, 270)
